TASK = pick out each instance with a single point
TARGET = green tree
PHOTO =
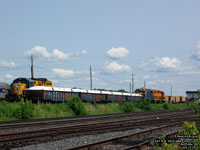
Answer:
(24, 110)
(189, 128)
(165, 106)
(122, 90)
(127, 106)
(145, 105)
(77, 106)
(198, 95)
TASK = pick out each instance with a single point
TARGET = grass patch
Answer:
(52, 110)
(127, 106)
(144, 105)
(27, 110)
(102, 108)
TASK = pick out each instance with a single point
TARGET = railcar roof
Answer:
(135, 94)
(94, 91)
(4, 85)
(45, 88)
(117, 93)
(79, 90)
(61, 89)
(127, 94)
(106, 92)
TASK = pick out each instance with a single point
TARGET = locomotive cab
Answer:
(18, 88)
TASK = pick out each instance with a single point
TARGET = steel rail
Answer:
(111, 141)
(52, 133)
(105, 124)
(72, 120)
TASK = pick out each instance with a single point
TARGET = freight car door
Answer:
(68, 95)
(98, 98)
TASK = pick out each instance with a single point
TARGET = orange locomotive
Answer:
(156, 96)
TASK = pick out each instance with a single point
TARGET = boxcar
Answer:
(54, 94)
(4, 88)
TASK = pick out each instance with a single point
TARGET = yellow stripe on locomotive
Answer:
(42, 83)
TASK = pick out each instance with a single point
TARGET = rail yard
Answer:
(46, 130)
(100, 75)
(119, 131)
(112, 131)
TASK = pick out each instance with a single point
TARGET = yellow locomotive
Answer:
(19, 85)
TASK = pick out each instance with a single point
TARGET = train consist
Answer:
(55, 94)
(157, 96)
(40, 89)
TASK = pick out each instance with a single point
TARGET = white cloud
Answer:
(8, 76)
(150, 82)
(115, 67)
(117, 53)
(190, 72)
(196, 53)
(63, 72)
(150, 76)
(6, 64)
(83, 52)
(77, 55)
(56, 54)
(83, 72)
(40, 52)
(164, 64)
(164, 81)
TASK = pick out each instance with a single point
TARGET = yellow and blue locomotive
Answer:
(19, 86)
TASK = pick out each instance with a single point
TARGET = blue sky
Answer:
(157, 41)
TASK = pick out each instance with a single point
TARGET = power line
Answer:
(13, 69)
(43, 68)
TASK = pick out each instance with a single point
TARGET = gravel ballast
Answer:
(81, 140)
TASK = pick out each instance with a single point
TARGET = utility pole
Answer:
(144, 84)
(171, 90)
(90, 77)
(170, 94)
(130, 86)
(32, 76)
(132, 83)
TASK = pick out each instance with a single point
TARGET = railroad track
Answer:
(16, 139)
(136, 141)
(66, 121)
